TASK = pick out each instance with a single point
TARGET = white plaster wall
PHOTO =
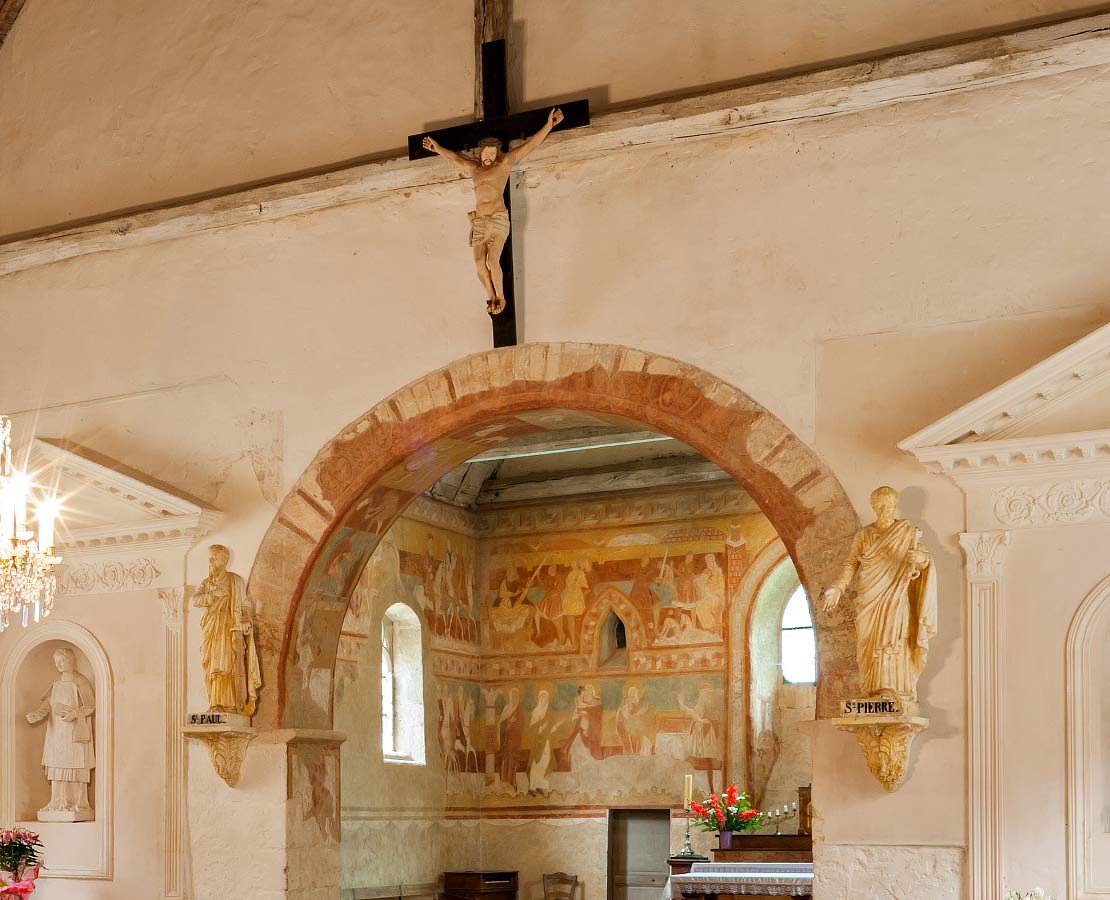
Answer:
(859, 276)
(534, 847)
(849, 872)
(623, 50)
(122, 103)
(237, 835)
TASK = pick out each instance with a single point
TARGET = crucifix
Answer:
(489, 137)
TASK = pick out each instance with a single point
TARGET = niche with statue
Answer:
(56, 745)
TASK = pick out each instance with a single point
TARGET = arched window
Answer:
(799, 646)
(402, 686)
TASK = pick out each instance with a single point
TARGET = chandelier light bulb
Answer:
(27, 581)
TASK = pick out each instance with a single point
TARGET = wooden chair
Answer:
(559, 886)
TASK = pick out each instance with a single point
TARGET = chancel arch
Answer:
(361, 481)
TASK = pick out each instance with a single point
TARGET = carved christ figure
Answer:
(489, 222)
(67, 706)
(896, 601)
(232, 673)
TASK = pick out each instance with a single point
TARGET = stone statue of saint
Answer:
(896, 601)
(68, 706)
(227, 649)
(489, 222)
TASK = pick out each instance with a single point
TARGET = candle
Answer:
(48, 509)
(7, 511)
(688, 791)
(18, 485)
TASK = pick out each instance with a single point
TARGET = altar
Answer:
(754, 880)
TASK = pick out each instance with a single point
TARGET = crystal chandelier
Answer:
(27, 560)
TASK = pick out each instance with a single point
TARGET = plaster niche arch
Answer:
(361, 481)
(88, 857)
(611, 600)
(1088, 747)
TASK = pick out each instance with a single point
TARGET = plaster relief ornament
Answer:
(229, 656)
(896, 617)
(67, 707)
(489, 222)
(896, 601)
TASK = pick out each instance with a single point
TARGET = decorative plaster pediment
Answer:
(1051, 421)
(107, 507)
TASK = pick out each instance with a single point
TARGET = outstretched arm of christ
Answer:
(553, 118)
(430, 143)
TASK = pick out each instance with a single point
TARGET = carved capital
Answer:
(173, 602)
(885, 743)
(984, 551)
(227, 746)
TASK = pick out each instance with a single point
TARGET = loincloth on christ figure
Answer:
(487, 229)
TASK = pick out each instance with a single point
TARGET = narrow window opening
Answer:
(799, 645)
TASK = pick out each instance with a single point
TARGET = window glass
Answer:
(799, 645)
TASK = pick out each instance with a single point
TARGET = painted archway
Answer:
(361, 481)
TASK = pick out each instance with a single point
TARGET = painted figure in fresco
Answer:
(705, 747)
(636, 722)
(489, 222)
(709, 610)
(538, 742)
(468, 748)
(588, 714)
(510, 734)
(574, 597)
(686, 589)
(67, 706)
(429, 580)
(640, 593)
(232, 673)
(896, 601)
(446, 729)
(512, 618)
(551, 604)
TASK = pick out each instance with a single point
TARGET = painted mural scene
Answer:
(554, 450)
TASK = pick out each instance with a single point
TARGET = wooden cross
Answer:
(496, 122)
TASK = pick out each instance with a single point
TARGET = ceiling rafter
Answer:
(9, 12)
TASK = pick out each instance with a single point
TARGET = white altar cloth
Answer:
(768, 879)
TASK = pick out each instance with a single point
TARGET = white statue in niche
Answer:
(67, 754)
(896, 601)
(232, 673)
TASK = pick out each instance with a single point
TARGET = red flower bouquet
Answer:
(19, 862)
(727, 812)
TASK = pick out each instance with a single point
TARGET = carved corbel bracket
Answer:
(227, 746)
(885, 741)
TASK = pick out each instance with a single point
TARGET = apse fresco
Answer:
(570, 666)
(585, 742)
(542, 605)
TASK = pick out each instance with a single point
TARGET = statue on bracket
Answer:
(68, 756)
(489, 222)
(232, 673)
(896, 601)
(896, 617)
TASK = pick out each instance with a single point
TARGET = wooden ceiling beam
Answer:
(9, 12)
(667, 473)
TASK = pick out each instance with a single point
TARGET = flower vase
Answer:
(725, 837)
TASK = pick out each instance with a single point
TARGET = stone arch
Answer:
(362, 480)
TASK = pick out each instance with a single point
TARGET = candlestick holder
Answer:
(781, 814)
(687, 851)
